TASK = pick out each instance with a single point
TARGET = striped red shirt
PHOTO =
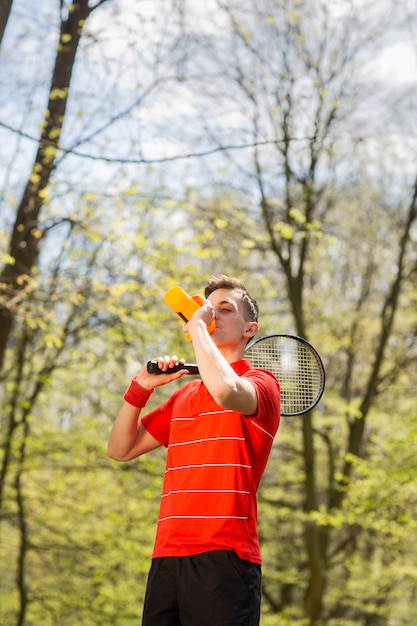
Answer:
(215, 461)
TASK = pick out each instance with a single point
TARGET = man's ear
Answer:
(252, 329)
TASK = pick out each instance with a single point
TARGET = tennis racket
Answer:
(292, 360)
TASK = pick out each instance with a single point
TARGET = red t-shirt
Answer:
(215, 461)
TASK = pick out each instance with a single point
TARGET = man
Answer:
(206, 564)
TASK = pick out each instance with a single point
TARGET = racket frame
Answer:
(317, 358)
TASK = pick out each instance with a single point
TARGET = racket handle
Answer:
(152, 367)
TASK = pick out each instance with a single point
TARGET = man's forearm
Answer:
(124, 432)
(224, 385)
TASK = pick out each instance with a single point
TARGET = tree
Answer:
(274, 171)
(293, 71)
(24, 242)
(78, 339)
(5, 8)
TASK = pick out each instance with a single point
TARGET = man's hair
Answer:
(226, 282)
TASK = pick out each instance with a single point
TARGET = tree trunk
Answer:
(5, 8)
(24, 244)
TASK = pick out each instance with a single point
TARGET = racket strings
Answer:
(296, 367)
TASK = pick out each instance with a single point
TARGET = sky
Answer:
(395, 66)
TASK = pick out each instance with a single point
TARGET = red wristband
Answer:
(136, 395)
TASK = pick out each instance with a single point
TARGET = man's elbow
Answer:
(224, 395)
(237, 399)
(115, 454)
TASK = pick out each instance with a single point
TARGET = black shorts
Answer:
(209, 589)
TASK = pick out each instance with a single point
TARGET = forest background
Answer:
(151, 143)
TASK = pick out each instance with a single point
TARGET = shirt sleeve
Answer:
(158, 421)
(268, 392)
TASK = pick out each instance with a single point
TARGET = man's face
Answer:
(231, 323)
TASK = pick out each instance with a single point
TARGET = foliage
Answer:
(274, 171)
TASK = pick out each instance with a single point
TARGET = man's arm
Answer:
(228, 389)
(129, 438)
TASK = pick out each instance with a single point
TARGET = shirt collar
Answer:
(242, 366)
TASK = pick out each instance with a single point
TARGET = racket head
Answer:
(295, 364)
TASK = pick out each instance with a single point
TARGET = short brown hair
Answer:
(226, 282)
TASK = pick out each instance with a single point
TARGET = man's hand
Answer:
(205, 313)
(150, 381)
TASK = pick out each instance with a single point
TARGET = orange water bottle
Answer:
(184, 305)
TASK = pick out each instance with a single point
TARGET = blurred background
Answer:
(158, 142)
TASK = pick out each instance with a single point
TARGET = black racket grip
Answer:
(152, 367)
